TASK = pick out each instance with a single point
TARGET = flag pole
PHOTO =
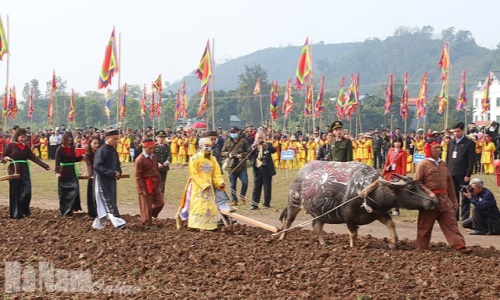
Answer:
(261, 111)
(7, 69)
(119, 80)
(213, 84)
(312, 80)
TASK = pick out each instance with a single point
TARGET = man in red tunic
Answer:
(434, 177)
(148, 183)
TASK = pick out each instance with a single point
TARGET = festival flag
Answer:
(204, 70)
(71, 112)
(5, 106)
(445, 65)
(183, 103)
(485, 100)
(107, 105)
(158, 85)
(309, 95)
(152, 105)
(404, 99)
(304, 68)
(256, 90)
(12, 107)
(158, 105)
(30, 105)
(143, 104)
(110, 63)
(123, 103)
(54, 81)
(351, 99)
(203, 102)
(444, 62)
(462, 95)
(177, 105)
(319, 102)
(389, 96)
(443, 97)
(273, 99)
(288, 100)
(4, 47)
(339, 105)
(422, 98)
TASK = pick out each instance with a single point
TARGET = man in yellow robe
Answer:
(198, 205)
(123, 148)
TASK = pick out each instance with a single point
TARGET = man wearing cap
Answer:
(148, 182)
(107, 170)
(236, 148)
(485, 207)
(340, 148)
(162, 153)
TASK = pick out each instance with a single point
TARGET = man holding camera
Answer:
(263, 170)
(485, 207)
(236, 148)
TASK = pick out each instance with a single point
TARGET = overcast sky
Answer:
(168, 37)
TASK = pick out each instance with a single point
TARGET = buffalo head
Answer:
(405, 193)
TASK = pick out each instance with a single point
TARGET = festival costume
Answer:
(395, 163)
(182, 143)
(44, 148)
(68, 187)
(106, 162)
(174, 149)
(283, 146)
(435, 177)
(302, 154)
(123, 149)
(198, 205)
(20, 189)
(91, 204)
(368, 152)
(276, 155)
(444, 150)
(311, 151)
(488, 149)
(192, 144)
(148, 184)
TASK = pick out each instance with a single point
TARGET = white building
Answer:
(493, 113)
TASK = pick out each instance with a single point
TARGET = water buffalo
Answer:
(361, 194)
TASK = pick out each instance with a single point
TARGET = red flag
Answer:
(54, 81)
(204, 70)
(404, 99)
(158, 85)
(485, 100)
(340, 105)
(143, 104)
(319, 102)
(304, 68)
(389, 98)
(183, 103)
(152, 107)
(288, 100)
(5, 106)
(12, 103)
(422, 98)
(308, 100)
(123, 104)
(110, 63)
(203, 101)
(71, 112)
(462, 95)
(444, 62)
(273, 108)
(30, 106)
(256, 90)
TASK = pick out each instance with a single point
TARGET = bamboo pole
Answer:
(261, 110)
(213, 85)
(312, 81)
(119, 80)
(7, 68)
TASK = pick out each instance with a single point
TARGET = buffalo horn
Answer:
(399, 183)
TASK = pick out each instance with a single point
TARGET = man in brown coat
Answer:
(434, 177)
(148, 183)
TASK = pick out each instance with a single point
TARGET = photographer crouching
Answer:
(263, 170)
(485, 217)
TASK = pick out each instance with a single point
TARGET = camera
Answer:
(466, 188)
(261, 142)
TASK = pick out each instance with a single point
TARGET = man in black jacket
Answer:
(461, 158)
(263, 170)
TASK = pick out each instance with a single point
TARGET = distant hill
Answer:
(412, 50)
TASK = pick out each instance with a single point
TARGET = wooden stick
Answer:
(249, 220)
